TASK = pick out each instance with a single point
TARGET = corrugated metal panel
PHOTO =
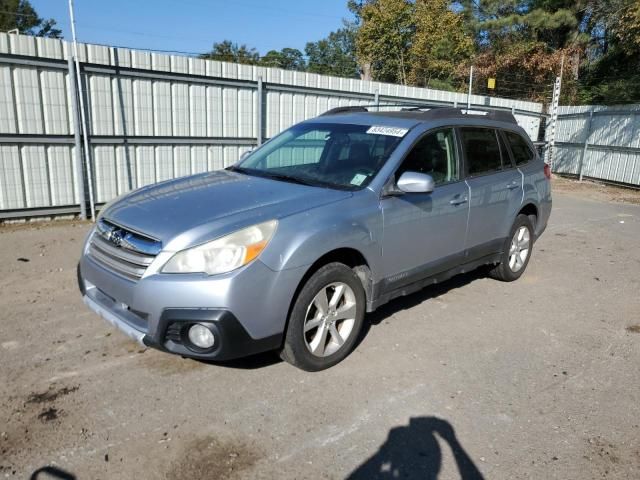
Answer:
(61, 175)
(181, 161)
(145, 166)
(125, 169)
(54, 100)
(198, 110)
(143, 108)
(11, 178)
(36, 100)
(36, 176)
(7, 106)
(122, 100)
(101, 107)
(28, 100)
(180, 109)
(613, 142)
(162, 108)
(104, 166)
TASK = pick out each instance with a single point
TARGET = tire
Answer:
(514, 260)
(317, 324)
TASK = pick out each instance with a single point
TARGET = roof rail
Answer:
(427, 111)
(489, 114)
(337, 110)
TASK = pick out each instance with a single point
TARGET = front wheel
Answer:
(326, 319)
(516, 252)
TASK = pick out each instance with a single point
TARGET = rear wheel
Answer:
(516, 251)
(326, 319)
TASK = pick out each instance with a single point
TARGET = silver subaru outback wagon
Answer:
(289, 248)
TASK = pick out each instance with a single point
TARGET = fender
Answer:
(303, 238)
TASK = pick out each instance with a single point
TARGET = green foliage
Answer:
(20, 14)
(440, 44)
(334, 55)
(383, 41)
(228, 51)
(287, 59)
(520, 43)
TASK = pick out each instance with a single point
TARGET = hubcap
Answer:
(330, 318)
(519, 250)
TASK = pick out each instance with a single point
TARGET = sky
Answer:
(192, 26)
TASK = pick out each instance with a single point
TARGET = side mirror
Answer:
(414, 182)
(245, 154)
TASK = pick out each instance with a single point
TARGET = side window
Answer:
(481, 149)
(519, 148)
(435, 155)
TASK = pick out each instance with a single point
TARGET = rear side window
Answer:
(482, 150)
(519, 148)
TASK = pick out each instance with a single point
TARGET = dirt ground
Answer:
(596, 190)
(535, 379)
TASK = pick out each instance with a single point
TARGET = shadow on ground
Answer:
(411, 300)
(51, 472)
(267, 359)
(413, 452)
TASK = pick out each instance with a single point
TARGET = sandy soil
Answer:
(533, 379)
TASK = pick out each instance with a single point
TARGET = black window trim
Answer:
(504, 144)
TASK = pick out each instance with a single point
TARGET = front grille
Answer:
(122, 251)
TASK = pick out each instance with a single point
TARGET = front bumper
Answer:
(246, 309)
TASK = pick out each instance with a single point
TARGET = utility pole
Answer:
(555, 104)
(470, 86)
(83, 118)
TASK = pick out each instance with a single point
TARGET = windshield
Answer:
(331, 155)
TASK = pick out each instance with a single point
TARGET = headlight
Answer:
(223, 254)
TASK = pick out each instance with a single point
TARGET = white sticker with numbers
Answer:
(390, 131)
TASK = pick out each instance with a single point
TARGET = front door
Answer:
(424, 233)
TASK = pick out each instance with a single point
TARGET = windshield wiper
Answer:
(233, 168)
(287, 178)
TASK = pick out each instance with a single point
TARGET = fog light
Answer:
(201, 336)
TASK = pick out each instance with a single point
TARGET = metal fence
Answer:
(599, 142)
(153, 117)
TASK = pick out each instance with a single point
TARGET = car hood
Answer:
(190, 210)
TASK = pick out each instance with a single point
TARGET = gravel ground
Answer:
(535, 379)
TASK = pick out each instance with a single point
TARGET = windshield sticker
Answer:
(358, 179)
(390, 131)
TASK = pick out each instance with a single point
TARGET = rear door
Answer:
(495, 190)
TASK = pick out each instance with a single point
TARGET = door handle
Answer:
(458, 201)
(513, 185)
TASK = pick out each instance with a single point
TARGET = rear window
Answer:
(482, 150)
(520, 149)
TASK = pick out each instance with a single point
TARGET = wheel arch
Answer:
(348, 256)
(531, 210)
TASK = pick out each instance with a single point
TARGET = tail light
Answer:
(547, 171)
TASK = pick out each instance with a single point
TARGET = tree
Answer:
(334, 55)
(227, 51)
(287, 59)
(383, 39)
(521, 43)
(611, 74)
(20, 14)
(440, 45)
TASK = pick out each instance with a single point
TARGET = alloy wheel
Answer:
(330, 318)
(519, 250)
